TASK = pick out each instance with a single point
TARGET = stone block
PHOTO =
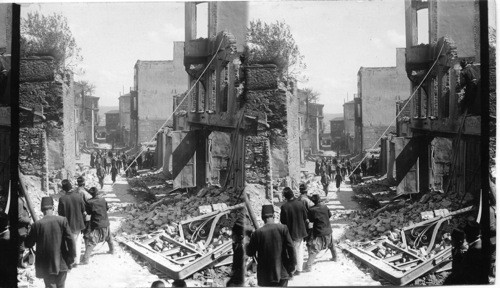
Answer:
(36, 69)
(261, 77)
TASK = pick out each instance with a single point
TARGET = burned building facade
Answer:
(379, 88)
(442, 144)
(86, 116)
(227, 136)
(155, 84)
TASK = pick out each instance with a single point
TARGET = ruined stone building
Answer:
(311, 124)
(352, 121)
(155, 84)
(379, 88)
(86, 115)
(113, 129)
(124, 111)
(47, 127)
(226, 137)
(442, 148)
(338, 135)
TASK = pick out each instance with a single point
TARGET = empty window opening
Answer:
(423, 26)
(202, 20)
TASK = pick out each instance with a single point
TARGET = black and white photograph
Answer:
(247, 143)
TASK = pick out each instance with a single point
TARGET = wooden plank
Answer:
(184, 152)
(408, 157)
(238, 206)
(171, 251)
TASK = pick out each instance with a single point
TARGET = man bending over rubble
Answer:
(97, 208)
(273, 247)
(319, 217)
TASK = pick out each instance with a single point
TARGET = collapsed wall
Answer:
(44, 92)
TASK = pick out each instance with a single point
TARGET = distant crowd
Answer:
(107, 162)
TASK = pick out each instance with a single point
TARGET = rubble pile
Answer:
(366, 226)
(145, 218)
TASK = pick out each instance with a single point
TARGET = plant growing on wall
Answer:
(274, 43)
(51, 35)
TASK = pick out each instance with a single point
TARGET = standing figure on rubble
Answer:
(124, 162)
(97, 208)
(338, 181)
(240, 232)
(72, 206)
(105, 164)
(319, 222)
(348, 166)
(55, 247)
(470, 79)
(114, 169)
(92, 159)
(317, 167)
(272, 245)
(294, 216)
(457, 253)
(100, 175)
(325, 181)
(363, 168)
(139, 161)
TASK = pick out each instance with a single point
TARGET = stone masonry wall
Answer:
(263, 98)
(39, 87)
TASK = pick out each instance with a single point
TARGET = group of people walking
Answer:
(278, 247)
(107, 163)
(331, 169)
(82, 218)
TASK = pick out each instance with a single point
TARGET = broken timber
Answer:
(403, 265)
(179, 258)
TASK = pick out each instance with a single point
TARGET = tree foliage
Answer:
(50, 35)
(311, 95)
(275, 43)
(88, 88)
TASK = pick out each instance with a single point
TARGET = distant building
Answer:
(337, 135)
(113, 126)
(124, 111)
(379, 88)
(86, 115)
(310, 124)
(155, 84)
(352, 115)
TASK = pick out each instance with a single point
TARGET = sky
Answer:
(335, 37)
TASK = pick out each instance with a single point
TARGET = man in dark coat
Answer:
(294, 216)
(72, 207)
(55, 248)
(473, 269)
(97, 208)
(319, 221)
(272, 245)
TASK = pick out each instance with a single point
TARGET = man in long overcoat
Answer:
(55, 248)
(294, 216)
(72, 207)
(272, 245)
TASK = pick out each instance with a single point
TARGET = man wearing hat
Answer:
(97, 208)
(72, 207)
(55, 247)
(294, 216)
(303, 196)
(319, 221)
(272, 245)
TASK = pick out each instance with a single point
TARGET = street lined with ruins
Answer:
(213, 144)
